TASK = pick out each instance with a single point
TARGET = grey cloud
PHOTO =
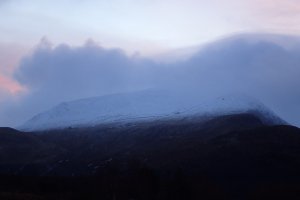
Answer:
(262, 69)
(82, 71)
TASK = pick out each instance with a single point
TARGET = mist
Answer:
(263, 69)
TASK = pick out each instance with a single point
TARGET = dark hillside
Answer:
(228, 157)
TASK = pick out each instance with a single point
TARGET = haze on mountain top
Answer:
(264, 66)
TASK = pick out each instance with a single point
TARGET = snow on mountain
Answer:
(140, 106)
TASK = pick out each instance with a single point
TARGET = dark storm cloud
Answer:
(262, 69)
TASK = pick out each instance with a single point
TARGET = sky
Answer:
(54, 51)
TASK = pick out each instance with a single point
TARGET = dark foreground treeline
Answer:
(229, 157)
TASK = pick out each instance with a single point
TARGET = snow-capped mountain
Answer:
(142, 106)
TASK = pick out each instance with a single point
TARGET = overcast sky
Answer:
(33, 59)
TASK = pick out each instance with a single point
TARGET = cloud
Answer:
(62, 73)
(259, 68)
(81, 71)
(247, 64)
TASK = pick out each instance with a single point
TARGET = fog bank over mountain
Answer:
(262, 66)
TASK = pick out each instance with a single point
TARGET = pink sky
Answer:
(10, 56)
(9, 85)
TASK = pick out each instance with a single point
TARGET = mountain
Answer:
(149, 105)
(232, 156)
(162, 145)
